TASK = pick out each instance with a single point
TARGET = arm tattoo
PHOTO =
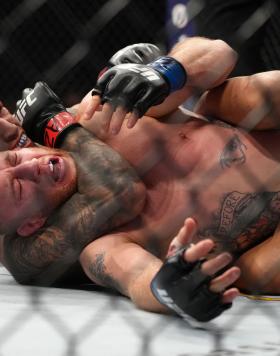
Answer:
(97, 269)
(109, 193)
(244, 220)
(233, 153)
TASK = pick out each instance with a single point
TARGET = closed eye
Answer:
(17, 185)
(13, 159)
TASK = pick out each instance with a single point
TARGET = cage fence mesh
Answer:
(66, 43)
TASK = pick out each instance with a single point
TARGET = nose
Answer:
(28, 170)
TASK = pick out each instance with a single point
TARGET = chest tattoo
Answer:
(233, 153)
(244, 220)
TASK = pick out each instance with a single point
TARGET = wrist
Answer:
(172, 70)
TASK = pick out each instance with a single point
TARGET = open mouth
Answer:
(56, 167)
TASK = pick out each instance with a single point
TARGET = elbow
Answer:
(226, 52)
(227, 58)
(213, 67)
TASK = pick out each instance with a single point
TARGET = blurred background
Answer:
(66, 43)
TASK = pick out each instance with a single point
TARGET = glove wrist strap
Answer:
(172, 70)
(55, 126)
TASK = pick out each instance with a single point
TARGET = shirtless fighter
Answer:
(190, 167)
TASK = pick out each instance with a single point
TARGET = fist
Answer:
(134, 88)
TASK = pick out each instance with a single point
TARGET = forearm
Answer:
(251, 102)
(207, 64)
(140, 292)
(116, 263)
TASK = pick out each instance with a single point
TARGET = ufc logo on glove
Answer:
(28, 101)
(147, 73)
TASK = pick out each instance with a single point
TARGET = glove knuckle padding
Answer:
(136, 53)
(150, 78)
(150, 98)
(103, 81)
(182, 287)
(44, 116)
(118, 83)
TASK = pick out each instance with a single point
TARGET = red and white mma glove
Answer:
(43, 116)
(139, 53)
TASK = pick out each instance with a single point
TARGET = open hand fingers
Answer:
(183, 237)
(92, 107)
(199, 250)
(215, 264)
(220, 283)
(112, 120)
(117, 120)
(107, 113)
(229, 295)
(132, 120)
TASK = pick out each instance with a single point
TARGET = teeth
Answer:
(22, 141)
(51, 166)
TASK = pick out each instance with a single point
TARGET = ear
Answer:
(30, 226)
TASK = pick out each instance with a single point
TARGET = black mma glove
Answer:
(137, 87)
(43, 115)
(140, 53)
(183, 288)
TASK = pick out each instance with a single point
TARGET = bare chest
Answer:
(227, 180)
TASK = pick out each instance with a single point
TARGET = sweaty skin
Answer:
(82, 218)
(227, 179)
(100, 205)
(224, 177)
